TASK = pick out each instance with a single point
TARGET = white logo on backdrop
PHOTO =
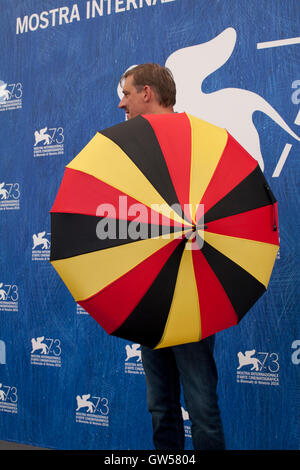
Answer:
(9, 196)
(187, 426)
(2, 394)
(3, 293)
(4, 93)
(48, 141)
(3, 191)
(92, 410)
(40, 239)
(45, 351)
(40, 247)
(133, 351)
(229, 108)
(261, 370)
(185, 414)
(41, 136)
(83, 402)
(9, 295)
(10, 95)
(248, 359)
(8, 399)
(133, 361)
(38, 344)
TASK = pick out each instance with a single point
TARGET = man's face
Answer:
(133, 101)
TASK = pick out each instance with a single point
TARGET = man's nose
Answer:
(121, 104)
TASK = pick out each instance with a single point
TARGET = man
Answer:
(147, 89)
(150, 89)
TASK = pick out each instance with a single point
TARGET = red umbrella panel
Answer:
(164, 229)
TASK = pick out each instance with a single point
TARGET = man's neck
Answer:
(160, 110)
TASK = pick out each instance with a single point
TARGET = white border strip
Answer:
(278, 43)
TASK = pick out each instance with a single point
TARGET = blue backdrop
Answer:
(64, 383)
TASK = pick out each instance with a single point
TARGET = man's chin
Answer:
(129, 115)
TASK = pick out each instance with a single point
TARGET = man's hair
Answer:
(159, 78)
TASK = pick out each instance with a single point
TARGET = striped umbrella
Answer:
(164, 230)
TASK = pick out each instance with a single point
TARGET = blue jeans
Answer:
(193, 365)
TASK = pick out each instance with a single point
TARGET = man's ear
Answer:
(147, 93)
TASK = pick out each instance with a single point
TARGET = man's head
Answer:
(147, 89)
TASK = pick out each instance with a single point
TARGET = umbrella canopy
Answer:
(128, 236)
